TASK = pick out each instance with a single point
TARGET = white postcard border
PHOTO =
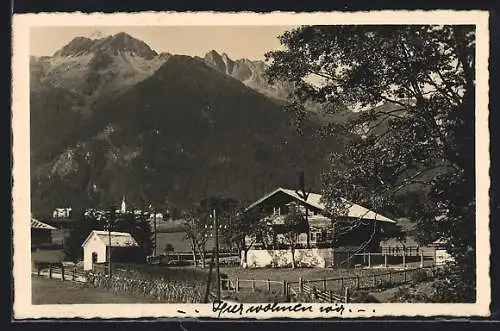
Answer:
(22, 23)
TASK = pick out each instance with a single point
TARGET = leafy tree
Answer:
(413, 87)
(85, 223)
(293, 224)
(137, 225)
(198, 224)
(192, 232)
(244, 230)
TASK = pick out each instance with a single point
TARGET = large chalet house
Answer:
(41, 233)
(355, 227)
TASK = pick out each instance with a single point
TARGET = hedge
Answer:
(160, 289)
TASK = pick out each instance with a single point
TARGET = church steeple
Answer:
(123, 208)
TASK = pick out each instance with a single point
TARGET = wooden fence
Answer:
(254, 285)
(387, 260)
(60, 271)
(339, 285)
(225, 259)
(404, 250)
(325, 295)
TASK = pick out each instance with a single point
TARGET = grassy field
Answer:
(179, 241)
(170, 226)
(49, 255)
(292, 275)
(51, 291)
(176, 239)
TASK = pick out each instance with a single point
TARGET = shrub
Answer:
(420, 276)
(169, 248)
(363, 297)
(449, 286)
(385, 284)
(452, 286)
(160, 289)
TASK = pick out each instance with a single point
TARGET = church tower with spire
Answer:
(123, 208)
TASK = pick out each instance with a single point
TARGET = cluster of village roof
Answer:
(276, 203)
(276, 198)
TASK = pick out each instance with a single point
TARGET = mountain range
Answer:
(112, 117)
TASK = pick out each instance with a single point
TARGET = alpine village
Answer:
(164, 178)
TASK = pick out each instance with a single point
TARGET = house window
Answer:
(319, 237)
(313, 237)
(316, 236)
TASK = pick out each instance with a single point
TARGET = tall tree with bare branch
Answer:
(413, 89)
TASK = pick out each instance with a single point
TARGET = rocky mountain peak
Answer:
(215, 59)
(115, 44)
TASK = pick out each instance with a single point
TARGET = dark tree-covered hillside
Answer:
(186, 132)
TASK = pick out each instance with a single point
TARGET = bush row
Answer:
(190, 276)
(160, 289)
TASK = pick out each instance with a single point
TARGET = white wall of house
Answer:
(93, 245)
(313, 257)
(442, 256)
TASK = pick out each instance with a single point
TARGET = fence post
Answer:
(385, 260)
(74, 274)
(237, 285)
(341, 283)
(357, 282)
(253, 285)
(390, 276)
(374, 280)
(404, 259)
(330, 296)
(50, 270)
(314, 292)
(301, 286)
(421, 259)
(39, 268)
(346, 295)
(268, 285)
(324, 283)
(369, 260)
(62, 271)
(285, 288)
(404, 272)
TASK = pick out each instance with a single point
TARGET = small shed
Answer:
(95, 247)
(442, 256)
(41, 233)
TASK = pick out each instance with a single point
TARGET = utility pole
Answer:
(152, 210)
(217, 271)
(302, 193)
(209, 280)
(110, 222)
(154, 218)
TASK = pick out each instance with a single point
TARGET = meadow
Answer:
(47, 255)
(51, 291)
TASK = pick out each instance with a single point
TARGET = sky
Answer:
(237, 42)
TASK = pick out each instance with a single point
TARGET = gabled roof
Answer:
(118, 239)
(406, 241)
(315, 200)
(36, 224)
